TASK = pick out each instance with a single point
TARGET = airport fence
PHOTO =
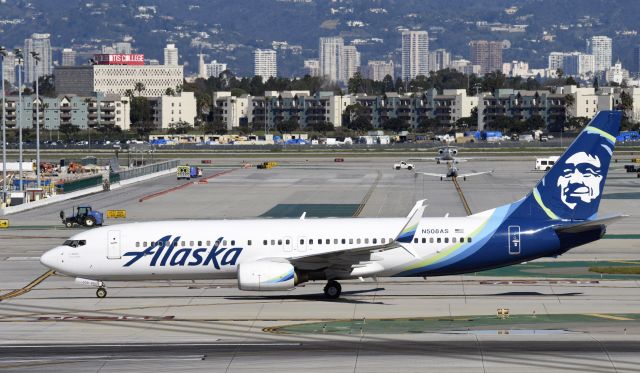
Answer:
(115, 177)
(72, 186)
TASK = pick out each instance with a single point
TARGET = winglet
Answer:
(304, 214)
(413, 219)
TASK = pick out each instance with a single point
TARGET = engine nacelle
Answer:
(265, 276)
(440, 151)
(454, 151)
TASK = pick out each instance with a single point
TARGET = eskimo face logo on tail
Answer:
(163, 254)
(580, 180)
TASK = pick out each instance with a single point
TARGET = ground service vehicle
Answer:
(544, 164)
(403, 165)
(183, 172)
(84, 216)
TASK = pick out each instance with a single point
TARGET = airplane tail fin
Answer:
(572, 188)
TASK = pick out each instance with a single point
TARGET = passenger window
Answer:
(182, 243)
(320, 242)
(358, 241)
(153, 243)
(233, 242)
(468, 239)
(311, 241)
(273, 242)
(191, 243)
(424, 240)
(137, 244)
(439, 240)
(335, 241)
(144, 243)
(301, 242)
(461, 239)
(430, 239)
(350, 241)
(287, 242)
(327, 241)
(415, 240)
(279, 242)
(249, 243)
(366, 240)
(453, 240)
(200, 243)
(344, 241)
(446, 240)
(208, 243)
(264, 242)
(375, 240)
(224, 243)
(382, 240)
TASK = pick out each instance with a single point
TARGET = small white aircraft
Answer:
(446, 154)
(453, 172)
(278, 254)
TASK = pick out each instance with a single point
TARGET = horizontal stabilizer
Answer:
(588, 225)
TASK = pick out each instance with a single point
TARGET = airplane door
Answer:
(302, 244)
(113, 245)
(514, 240)
(287, 245)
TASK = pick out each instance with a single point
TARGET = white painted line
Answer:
(239, 344)
(22, 258)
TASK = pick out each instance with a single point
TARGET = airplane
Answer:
(447, 153)
(453, 172)
(560, 213)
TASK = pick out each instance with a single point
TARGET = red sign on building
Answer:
(119, 59)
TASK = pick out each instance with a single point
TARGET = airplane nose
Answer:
(51, 258)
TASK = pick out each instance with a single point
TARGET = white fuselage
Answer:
(126, 251)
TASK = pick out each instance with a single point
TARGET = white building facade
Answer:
(601, 48)
(377, 70)
(439, 59)
(265, 63)
(351, 62)
(41, 44)
(171, 55)
(174, 109)
(415, 54)
(330, 57)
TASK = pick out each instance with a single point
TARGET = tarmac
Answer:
(561, 318)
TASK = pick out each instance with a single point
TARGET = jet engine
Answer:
(266, 276)
(454, 151)
(440, 151)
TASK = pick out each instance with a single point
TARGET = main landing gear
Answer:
(332, 289)
(101, 292)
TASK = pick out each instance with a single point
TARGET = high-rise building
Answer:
(439, 59)
(9, 68)
(578, 64)
(40, 44)
(351, 62)
(123, 47)
(330, 57)
(487, 54)
(215, 68)
(555, 60)
(377, 70)
(68, 57)
(202, 68)
(600, 47)
(636, 58)
(265, 63)
(415, 54)
(312, 67)
(171, 55)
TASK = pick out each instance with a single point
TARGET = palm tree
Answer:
(169, 92)
(139, 87)
(129, 93)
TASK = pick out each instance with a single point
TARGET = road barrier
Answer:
(115, 177)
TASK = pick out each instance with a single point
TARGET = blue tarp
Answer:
(297, 142)
(628, 136)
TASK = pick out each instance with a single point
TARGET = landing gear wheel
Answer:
(101, 293)
(332, 290)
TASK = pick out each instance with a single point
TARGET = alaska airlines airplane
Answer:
(560, 213)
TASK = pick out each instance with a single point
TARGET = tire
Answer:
(89, 222)
(332, 290)
(101, 293)
(68, 224)
(410, 168)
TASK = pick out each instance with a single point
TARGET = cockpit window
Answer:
(75, 243)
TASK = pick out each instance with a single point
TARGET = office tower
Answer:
(377, 70)
(171, 55)
(68, 57)
(600, 47)
(351, 62)
(9, 68)
(486, 54)
(415, 54)
(265, 63)
(331, 54)
(439, 59)
(312, 67)
(40, 44)
(215, 68)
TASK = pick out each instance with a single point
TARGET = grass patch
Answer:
(618, 270)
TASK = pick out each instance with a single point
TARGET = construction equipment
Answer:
(267, 165)
(84, 216)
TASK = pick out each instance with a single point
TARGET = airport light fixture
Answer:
(20, 60)
(3, 54)
(36, 59)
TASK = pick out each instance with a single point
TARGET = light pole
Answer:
(19, 59)
(3, 53)
(36, 59)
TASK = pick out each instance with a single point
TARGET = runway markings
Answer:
(366, 197)
(26, 289)
(610, 317)
(163, 192)
(461, 194)
(105, 318)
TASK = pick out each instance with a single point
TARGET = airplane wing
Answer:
(475, 174)
(434, 175)
(343, 262)
(589, 224)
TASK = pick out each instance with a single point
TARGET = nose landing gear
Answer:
(332, 289)
(101, 292)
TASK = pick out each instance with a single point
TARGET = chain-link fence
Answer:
(115, 177)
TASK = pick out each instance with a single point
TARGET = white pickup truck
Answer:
(403, 165)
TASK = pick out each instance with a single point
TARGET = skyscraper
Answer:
(68, 57)
(215, 68)
(265, 63)
(331, 55)
(350, 62)
(600, 47)
(40, 44)
(202, 68)
(9, 68)
(415, 54)
(312, 67)
(636, 58)
(439, 59)
(377, 70)
(487, 54)
(171, 55)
